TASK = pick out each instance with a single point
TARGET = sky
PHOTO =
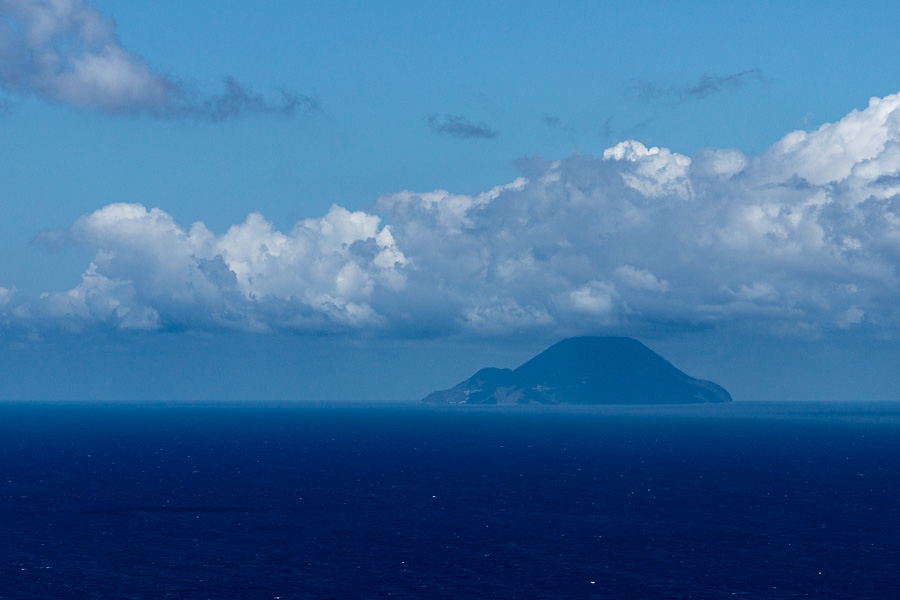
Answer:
(368, 201)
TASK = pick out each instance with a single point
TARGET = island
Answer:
(586, 370)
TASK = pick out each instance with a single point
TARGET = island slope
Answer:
(586, 370)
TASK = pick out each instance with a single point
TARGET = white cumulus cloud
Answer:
(149, 272)
(802, 240)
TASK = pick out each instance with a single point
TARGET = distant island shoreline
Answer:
(589, 370)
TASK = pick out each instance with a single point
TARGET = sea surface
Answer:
(748, 500)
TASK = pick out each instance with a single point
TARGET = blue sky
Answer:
(609, 168)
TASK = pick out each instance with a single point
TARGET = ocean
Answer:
(751, 500)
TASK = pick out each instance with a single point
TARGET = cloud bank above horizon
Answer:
(66, 52)
(803, 240)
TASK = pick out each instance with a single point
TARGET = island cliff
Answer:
(586, 370)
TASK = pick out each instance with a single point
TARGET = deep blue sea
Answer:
(345, 502)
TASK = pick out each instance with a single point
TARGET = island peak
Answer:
(586, 370)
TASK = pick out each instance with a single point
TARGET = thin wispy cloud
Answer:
(459, 126)
(66, 52)
(713, 84)
(51, 240)
(648, 90)
(708, 85)
(554, 122)
(238, 100)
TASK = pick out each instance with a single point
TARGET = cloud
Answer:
(51, 240)
(459, 126)
(803, 240)
(66, 52)
(607, 128)
(713, 84)
(238, 100)
(554, 122)
(649, 90)
(707, 85)
(641, 279)
(150, 273)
